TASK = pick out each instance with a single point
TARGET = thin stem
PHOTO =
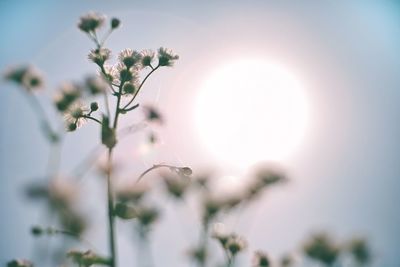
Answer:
(110, 198)
(91, 118)
(37, 107)
(140, 86)
(156, 166)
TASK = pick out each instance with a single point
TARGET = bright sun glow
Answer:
(251, 111)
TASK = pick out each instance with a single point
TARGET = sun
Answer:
(249, 111)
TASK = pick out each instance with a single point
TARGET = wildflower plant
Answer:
(120, 80)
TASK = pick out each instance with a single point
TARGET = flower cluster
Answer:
(25, 76)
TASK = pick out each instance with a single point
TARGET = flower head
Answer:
(129, 57)
(91, 22)
(235, 244)
(261, 259)
(147, 57)
(99, 56)
(75, 115)
(95, 85)
(321, 248)
(25, 76)
(68, 94)
(166, 57)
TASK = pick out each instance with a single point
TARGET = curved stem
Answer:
(91, 118)
(156, 166)
(140, 86)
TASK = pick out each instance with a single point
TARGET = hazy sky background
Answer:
(345, 177)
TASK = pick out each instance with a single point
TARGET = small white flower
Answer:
(147, 57)
(99, 56)
(166, 57)
(90, 22)
(129, 57)
(74, 115)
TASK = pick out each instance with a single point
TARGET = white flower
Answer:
(90, 22)
(74, 115)
(147, 57)
(129, 57)
(166, 57)
(99, 56)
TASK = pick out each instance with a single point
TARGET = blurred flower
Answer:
(95, 85)
(132, 193)
(220, 233)
(198, 254)
(25, 76)
(166, 57)
(147, 57)
(176, 184)
(99, 56)
(66, 95)
(129, 57)
(360, 251)
(124, 211)
(261, 259)
(147, 215)
(19, 263)
(152, 114)
(112, 73)
(211, 206)
(235, 244)
(87, 258)
(321, 248)
(286, 261)
(91, 22)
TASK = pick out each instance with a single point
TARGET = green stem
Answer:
(140, 86)
(110, 198)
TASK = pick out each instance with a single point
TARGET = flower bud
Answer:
(94, 106)
(115, 23)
